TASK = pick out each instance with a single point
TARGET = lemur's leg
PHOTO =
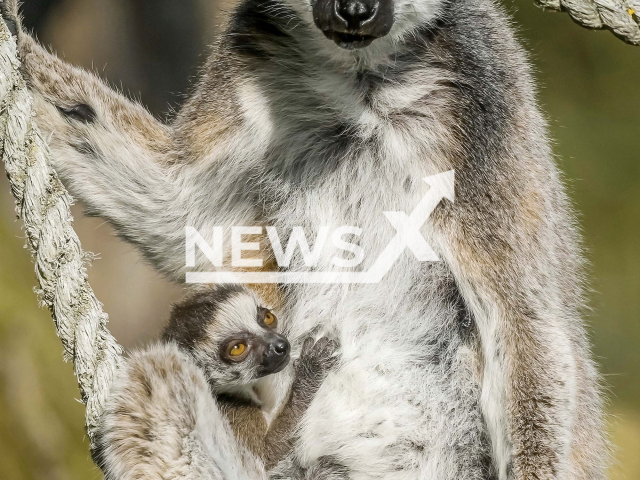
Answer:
(121, 161)
(540, 388)
(161, 421)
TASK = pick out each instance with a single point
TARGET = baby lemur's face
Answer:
(230, 335)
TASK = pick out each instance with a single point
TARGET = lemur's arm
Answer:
(517, 274)
(274, 442)
(122, 162)
(315, 361)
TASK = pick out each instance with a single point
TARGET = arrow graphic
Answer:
(408, 236)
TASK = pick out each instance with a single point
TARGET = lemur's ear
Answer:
(10, 15)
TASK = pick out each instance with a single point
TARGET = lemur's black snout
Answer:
(276, 355)
(356, 13)
(353, 23)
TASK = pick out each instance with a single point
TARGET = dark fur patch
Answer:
(255, 26)
(463, 317)
(190, 318)
(317, 159)
(484, 460)
(9, 18)
(85, 148)
(98, 452)
(80, 113)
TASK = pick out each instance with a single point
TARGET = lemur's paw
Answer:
(9, 12)
(317, 358)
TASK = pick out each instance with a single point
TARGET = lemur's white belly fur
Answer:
(388, 408)
(387, 412)
(382, 416)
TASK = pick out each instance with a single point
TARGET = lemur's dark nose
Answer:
(356, 13)
(281, 347)
(276, 354)
(353, 23)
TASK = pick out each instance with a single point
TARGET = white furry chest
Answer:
(383, 412)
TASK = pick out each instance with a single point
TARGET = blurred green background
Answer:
(589, 89)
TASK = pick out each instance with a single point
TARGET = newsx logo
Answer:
(408, 235)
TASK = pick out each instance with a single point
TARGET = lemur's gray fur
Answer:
(161, 420)
(287, 129)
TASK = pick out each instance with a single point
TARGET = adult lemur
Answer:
(330, 112)
(161, 420)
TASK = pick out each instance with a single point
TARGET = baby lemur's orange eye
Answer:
(237, 349)
(269, 319)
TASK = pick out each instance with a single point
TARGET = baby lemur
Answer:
(225, 337)
(235, 341)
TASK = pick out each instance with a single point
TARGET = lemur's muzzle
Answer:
(353, 23)
(275, 356)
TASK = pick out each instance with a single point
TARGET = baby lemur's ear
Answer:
(10, 15)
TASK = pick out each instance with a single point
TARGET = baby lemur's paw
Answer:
(9, 11)
(317, 358)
